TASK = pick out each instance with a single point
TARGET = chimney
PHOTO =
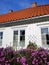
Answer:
(10, 11)
(34, 4)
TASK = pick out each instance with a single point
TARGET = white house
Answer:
(30, 24)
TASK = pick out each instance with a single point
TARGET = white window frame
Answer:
(45, 44)
(19, 29)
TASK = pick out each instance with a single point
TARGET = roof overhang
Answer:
(26, 21)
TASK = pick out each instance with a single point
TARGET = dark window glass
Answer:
(22, 38)
(22, 32)
(1, 37)
(44, 30)
(22, 35)
(15, 32)
(47, 38)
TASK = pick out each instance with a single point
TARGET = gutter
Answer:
(27, 19)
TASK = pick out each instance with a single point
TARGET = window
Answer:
(45, 36)
(15, 38)
(19, 38)
(1, 37)
(22, 38)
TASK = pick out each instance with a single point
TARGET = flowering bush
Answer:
(24, 57)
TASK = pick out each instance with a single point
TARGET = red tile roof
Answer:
(25, 13)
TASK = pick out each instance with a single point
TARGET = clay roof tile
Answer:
(25, 13)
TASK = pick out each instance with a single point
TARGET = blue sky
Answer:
(6, 5)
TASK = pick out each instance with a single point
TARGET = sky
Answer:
(6, 5)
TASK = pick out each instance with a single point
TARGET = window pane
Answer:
(15, 32)
(22, 32)
(22, 38)
(44, 30)
(15, 38)
(47, 38)
(1, 37)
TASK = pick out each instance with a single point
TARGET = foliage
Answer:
(27, 56)
(32, 46)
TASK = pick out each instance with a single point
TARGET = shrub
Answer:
(27, 56)
(32, 46)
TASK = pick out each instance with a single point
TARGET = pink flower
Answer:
(23, 60)
(18, 59)
(33, 62)
(47, 63)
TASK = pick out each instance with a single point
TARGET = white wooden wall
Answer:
(32, 33)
